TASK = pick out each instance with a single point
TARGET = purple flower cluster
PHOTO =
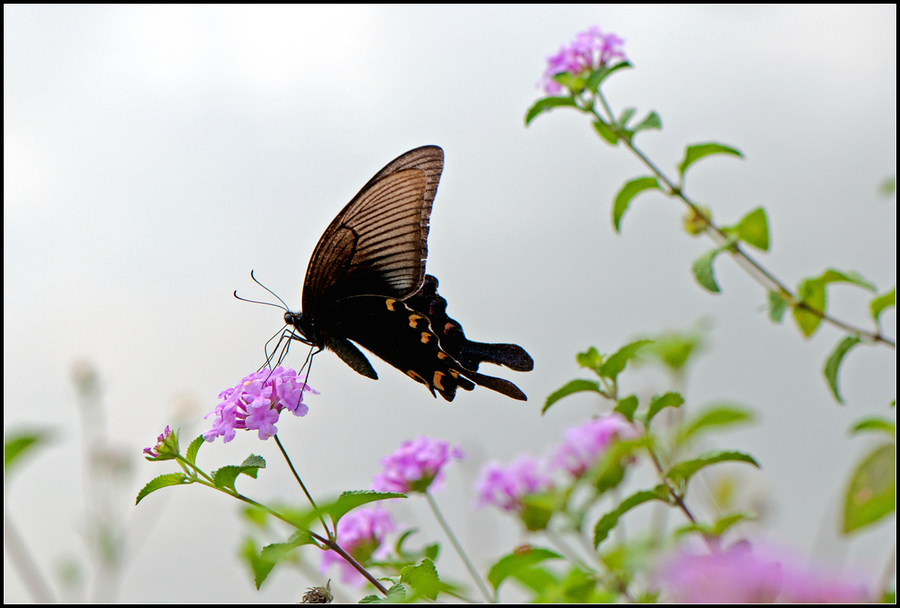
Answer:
(256, 403)
(360, 533)
(504, 487)
(589, 51)
(582, 448)
(415, 466)
(751, 575)
(584, 445)
(166, 446)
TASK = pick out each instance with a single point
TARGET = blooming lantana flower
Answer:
(415, 466)
(360, 533)
(752, 574)
(504, 487)
(584, 445)
(589, 51)
(256, 403)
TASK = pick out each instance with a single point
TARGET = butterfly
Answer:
(366, 283)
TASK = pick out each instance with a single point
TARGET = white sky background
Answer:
(154, 156)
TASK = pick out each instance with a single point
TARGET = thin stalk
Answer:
(459, 549)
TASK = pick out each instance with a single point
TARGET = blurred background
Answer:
(153, 156)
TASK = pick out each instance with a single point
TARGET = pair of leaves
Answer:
(691, 155)
(680, 474)
(605, 367)
(752, 229)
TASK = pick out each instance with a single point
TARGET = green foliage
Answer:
(546, 104)
(880, 303)
(682, 472)
(658, 403)
(753, 229)
(609, 521)
(574, 386)
(875, 424)
(834, 363)
(778, 303)
(711, 418)
(811, 293)
(19, 444)
(522, 558)
(703, 270)
(424, 580)
(627, 193)
(871, 493)
(163, 481)
(348, 501)
(694, 153)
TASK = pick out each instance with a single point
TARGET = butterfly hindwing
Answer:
(400, 336)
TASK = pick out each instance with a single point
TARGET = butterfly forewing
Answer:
(377, 244)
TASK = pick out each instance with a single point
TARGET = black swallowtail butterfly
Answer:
(366, 282)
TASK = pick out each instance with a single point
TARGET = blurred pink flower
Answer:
(748, 574)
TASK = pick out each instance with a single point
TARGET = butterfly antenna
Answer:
(283, 305)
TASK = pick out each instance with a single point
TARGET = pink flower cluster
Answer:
(360, 533)
(256, 403)
(582, 448)
(415, 466)
(748, 574)
(584, 445)
(589, 51)
(504, 487)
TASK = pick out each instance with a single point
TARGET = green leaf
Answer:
(674, 349)
(537, 509)
(777, 306)
(834, 363)
(718, 528)
(811, 293)
(871, 493)
(670, 399)
(191, 454)
(423, 578)
(226, 476)
(753, 229)
(605, 132)
(624, 117)
(714, 417)
(523, 557)
(395, 595)
(590, 359)
(652, 121)
(683, 471)
(875, 424)
(597, 76)
(18, 444)
(879, 303)
(628, 192)
(703, 271)
(574, 386)
(694, 153)
(546, 104)
(616, 362)
(627, 406)
(837, 276)
(609, 521)
(348, 501)
(163, 481)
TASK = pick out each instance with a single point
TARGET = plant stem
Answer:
(458, 547)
